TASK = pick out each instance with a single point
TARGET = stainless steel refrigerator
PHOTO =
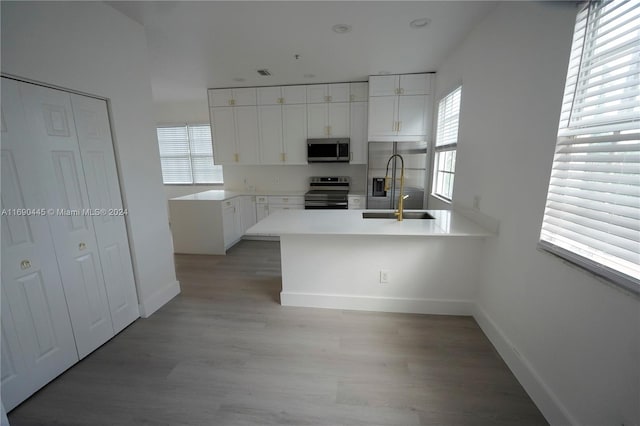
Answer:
(415, 164)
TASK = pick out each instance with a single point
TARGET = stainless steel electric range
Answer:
(327, 192)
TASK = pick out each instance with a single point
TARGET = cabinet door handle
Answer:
(401, 91)
(352, 98)
(280, 100)
(25, 264)
(232, 102)
(399, 125)
(82, 246)
(236, 157)
(282, 157)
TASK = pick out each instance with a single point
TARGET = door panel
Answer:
(339, 92)
(37, 338)
(101, 176)
(294, 123)
(247, 134)
(412, 115)
(415, 84)
(317, 120)
(383, 85)
(270, 124)
(58, 156)
(269, 95)
(294, 94)
(224, 135)
(339, 120)
(358, 133)
(317, 93)
(382, 116)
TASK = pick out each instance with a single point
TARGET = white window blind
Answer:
(446, 144)
(592, 215)
(448, 118)
(186, 155)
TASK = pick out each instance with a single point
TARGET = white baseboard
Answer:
(159, 299)
(548, 403)
(379, 304)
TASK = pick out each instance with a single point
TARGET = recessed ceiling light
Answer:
(309, 76)
(341, 28)
(383, 73)
(420, 23)
(239, 80)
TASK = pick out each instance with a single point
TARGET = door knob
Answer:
(82, 246)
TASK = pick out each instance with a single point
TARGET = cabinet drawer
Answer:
(295, 200)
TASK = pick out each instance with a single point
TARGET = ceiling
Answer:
(198, 45)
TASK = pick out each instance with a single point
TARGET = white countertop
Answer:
(221, 195)
(350, 222)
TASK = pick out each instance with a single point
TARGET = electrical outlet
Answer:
(384, 276)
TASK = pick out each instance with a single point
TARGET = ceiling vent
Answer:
(264, 72)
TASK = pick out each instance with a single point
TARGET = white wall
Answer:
(90, 47)
(290, 178)
(570, 338)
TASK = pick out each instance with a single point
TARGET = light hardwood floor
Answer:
(224, 352)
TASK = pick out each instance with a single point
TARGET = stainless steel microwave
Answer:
(329, 150)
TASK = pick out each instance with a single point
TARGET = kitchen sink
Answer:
(391, 215)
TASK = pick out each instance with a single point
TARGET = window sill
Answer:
(194, 184)
(601, 273)
(441, 198)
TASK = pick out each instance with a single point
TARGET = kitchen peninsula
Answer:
(336, 259)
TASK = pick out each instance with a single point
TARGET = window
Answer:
(446, 144)
(186, 155)
(592, 214)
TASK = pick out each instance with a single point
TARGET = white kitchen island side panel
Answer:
(436, 275)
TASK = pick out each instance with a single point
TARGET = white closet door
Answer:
(37, 338)
(56, 153)
(98, 159)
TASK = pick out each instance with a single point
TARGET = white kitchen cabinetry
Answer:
(67, 280)
(328, 120)
(232, 97)
(248, 212)
(359, 91)
(235, 131)
(285, 95)
(321, 93)
(231, 222)
(282, 124)
(399, 107)
(262, 207)
(359, 112)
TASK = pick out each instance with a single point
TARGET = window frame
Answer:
(442, 149)
(189, 156)
(557, 240)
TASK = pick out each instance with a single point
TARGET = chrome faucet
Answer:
(387, 185)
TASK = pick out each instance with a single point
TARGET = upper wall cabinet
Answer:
(399, 107)
(359, 92)
(287, 95)
(321, 93)
(232, 97)
(235, 134)
(270, 125)
(405, 85)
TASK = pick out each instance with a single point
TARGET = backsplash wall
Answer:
(290, 178)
